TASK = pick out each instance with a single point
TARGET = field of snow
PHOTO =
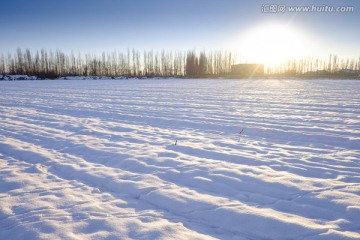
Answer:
(180, 159)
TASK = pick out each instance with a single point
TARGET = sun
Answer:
(272, 43)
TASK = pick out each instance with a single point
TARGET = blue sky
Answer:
(106, 25)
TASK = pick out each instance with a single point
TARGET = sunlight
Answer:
(272, 43)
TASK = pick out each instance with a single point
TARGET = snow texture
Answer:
(180, 159)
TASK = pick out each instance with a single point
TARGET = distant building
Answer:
(247, 70)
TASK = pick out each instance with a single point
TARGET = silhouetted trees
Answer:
(164, 63)
(209, 63)
(151, 63)
(330, 65)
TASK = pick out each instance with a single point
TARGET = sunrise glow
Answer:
(272, 43)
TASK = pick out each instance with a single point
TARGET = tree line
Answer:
(164, 63)
(331, 65)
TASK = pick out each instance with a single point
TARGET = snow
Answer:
(16, 77)
(180, 159)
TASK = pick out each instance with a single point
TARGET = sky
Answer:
(247, 27)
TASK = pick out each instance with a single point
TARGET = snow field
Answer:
(98, 159)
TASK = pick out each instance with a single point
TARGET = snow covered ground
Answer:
(180, 159)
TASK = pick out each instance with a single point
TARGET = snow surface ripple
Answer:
(180, 159)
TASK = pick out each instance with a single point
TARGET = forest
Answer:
(163, 63)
